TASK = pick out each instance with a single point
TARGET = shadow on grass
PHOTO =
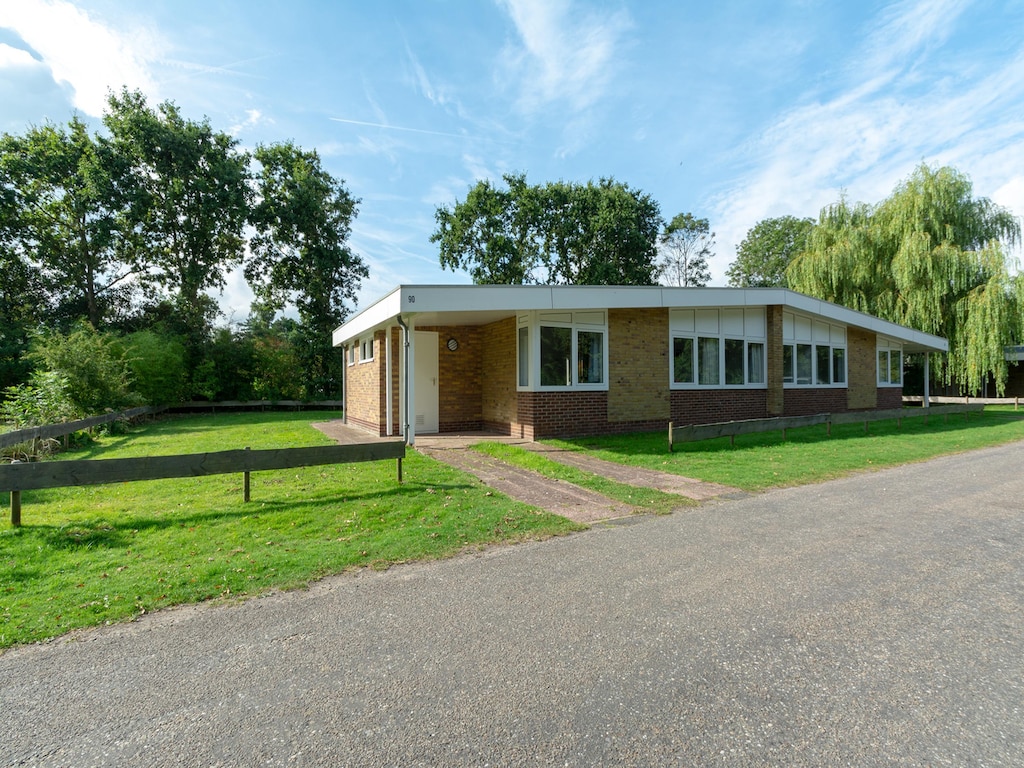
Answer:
(117, 534)
(656, 444)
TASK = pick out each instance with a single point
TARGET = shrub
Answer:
(157, 363)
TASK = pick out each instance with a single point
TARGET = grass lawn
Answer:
(808, 455)
(105, 553)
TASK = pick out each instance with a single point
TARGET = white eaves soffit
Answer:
(467, 304)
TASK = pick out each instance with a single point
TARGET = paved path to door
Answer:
(556, 496)
(875, 620)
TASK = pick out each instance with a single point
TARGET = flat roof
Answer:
(482, 304)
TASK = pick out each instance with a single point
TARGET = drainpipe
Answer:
(405, 383)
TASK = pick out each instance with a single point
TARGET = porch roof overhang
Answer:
(430, 305)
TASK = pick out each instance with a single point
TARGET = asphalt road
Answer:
(877, 620)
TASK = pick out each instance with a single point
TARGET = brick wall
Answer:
(563, 414)
(890, 397)
(498, 389)
(709, 406)
(638, 366)
(364, 389)
(808, 401)
(775, 403)
(862, 370)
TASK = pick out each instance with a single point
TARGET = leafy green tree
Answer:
(686, 245)
(930, 256)
(187, 198)
(68, 217)
(559, 233)
(300, 254)
(766, 251)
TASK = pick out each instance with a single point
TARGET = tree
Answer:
(300, 254)
(559, 233)
(930, 256)
(686, 245)
(767, 250)
(68, 217)
(187, 198)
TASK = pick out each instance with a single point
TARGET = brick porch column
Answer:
(775, 401)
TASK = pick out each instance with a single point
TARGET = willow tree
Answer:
(930, 256)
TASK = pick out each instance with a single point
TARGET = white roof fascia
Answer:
(378, 313)
(413, 299)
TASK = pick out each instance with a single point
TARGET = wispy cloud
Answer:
(897, 108)
(389, 127)
(87, 54)
(566, 53)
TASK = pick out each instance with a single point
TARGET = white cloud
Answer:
(566, 53)
(82, 52)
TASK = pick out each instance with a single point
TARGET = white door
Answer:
(426, 410)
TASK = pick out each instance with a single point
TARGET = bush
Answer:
(157, 363)
(93, 364)
(45, 399)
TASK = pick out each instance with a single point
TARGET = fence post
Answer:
(16, 504)
(671, 448)
(399, 469)
(245, 483)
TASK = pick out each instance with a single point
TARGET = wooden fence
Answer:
(19, 476)
(51, 431)
(731, 429)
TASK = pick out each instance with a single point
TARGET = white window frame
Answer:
(806, 331)
(587, 321)
(887, 349)
(350, 354)
(366, 344)
(721, 324)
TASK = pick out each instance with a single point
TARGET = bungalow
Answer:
(540, 361)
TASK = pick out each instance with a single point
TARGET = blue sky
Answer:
(734, 111)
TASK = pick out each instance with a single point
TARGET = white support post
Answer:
(926, 403)
(389, 389)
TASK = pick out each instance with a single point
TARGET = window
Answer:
(838, 365)
(755, 362)
(366, 350)
(707, 361)
(590, 357)
(890, 365)
(555, 356)
(568, 350)
(804, 363)
(352, 354)
(717, 347)
(524, 357)
(682, 361)
(813, 352)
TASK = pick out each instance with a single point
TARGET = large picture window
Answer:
(813, 352)
(717, 347)
(569, 349)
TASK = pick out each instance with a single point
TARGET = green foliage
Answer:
(93, 364)
(686, 245)
(44, 399)
(560, 233)
(931, 257)
(187, 195)
(300, 255)
(157, 363)
(766, 251)
(68, 221)
(86, 556)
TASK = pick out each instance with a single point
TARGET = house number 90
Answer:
(412, 299)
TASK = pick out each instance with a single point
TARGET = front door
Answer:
(426, 410)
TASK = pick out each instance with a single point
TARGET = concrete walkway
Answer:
(555, 496)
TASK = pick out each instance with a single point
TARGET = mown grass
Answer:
(106, 553)
(808, 455)
(647, 500)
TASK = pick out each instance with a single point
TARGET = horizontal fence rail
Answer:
(731, 429)
(51, 431)
(18, 476)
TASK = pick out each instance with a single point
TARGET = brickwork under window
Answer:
(709, 406)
